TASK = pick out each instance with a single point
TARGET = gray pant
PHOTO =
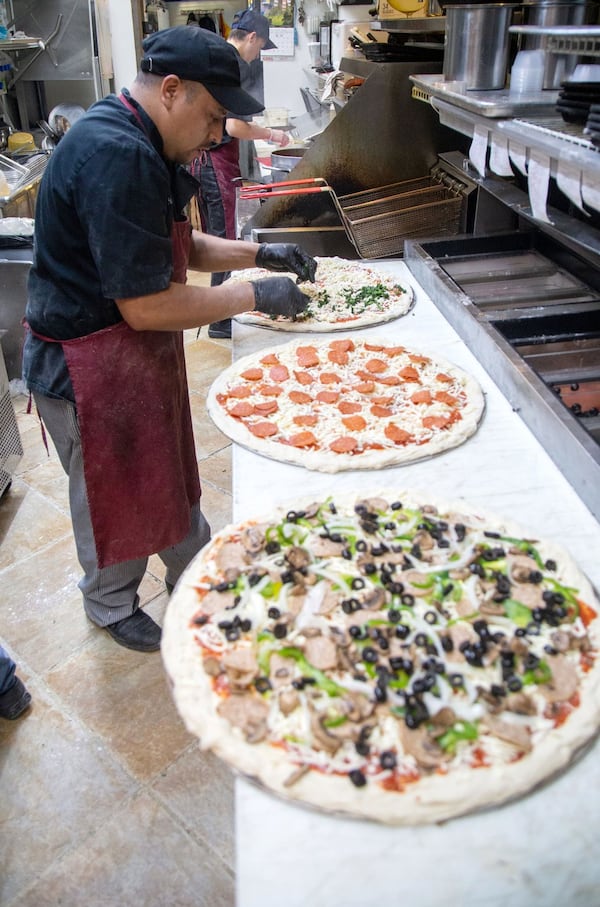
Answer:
(110, 593)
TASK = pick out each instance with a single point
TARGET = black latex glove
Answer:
(278, 296)
(282, 256)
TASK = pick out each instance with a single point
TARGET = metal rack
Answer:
(565, 39)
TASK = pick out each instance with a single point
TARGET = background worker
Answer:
(107, 304)
(219, 169)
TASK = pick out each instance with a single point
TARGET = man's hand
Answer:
(278, 137)
(278, 296)
(280, 256)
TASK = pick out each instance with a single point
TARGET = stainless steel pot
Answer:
(551, 13)
(283, 162)
(477, 43)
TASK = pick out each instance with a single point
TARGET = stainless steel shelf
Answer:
(495, 104)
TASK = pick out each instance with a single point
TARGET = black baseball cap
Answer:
(198, 55)
(248, 20)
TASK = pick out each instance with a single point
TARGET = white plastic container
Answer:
(527, 73)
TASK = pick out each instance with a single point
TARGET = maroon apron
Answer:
(225, 161)
(139, 459)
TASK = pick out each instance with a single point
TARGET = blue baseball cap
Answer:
(198, 55)
(248, 20)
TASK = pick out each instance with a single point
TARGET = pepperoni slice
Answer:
(383, 400)
(305, 420)
(329, 378)
(423, 396)
(376, 366)
(279, 373)
(252, 374)
(435, 422)
(421, 360)
(445, 397)
(270, 390)
(340, 357)
(355, 423)
(263, 429)
(303, 378)
(303, 439)
(299, 397)
(346, 407)
(440, 422)
(266, 408)
(345, 346)
(394, 350)
(328, 396)
(396, 434)
(442, 376)
(389, 380)
(366, 387)
(374, 347)
(240, 391)
(381, 411)
(307, 356)
(241, 410)
(345, 444)
(270, 359)
(409, 373)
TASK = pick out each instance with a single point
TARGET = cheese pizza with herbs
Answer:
(387, 657)
(345, 404)
(345, 295)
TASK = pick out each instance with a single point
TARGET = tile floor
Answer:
(105, 799)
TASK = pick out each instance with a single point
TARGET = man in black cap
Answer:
(220, 169)
(107, 306)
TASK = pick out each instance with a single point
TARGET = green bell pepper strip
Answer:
(517, 612)
(462, 730)
(323, 682)
(541, 674)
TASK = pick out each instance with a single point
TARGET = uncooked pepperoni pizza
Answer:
(388, 655)
(345, 295)
(333, 405)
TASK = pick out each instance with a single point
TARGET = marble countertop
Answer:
(537, 851)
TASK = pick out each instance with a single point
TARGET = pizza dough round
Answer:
(346, 295)
(333, 405)
(220, 648)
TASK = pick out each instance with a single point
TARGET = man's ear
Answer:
(169, 89)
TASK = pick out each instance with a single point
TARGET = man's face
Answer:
(195, 121)
(251, 47)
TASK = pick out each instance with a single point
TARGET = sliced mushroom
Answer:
(297, 557)
(214, 601)
(528, 594)
(248, 712)
(321, 652)
(281, 671)
(326, 547)
(253, 539)
(374, 600)
(565, 680)
(232, 556)
(422, 746)
(445, 718)
(322, 738)
(357, 706)
(212, 666)
(517, 734)
(520, 567)
(296, 775)
(241, 667)
(373, 505)
(288, 701)
(520, 703)
(560, 640)
(331, 599)
(414, 581)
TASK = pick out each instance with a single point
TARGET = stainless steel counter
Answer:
(536, 852)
